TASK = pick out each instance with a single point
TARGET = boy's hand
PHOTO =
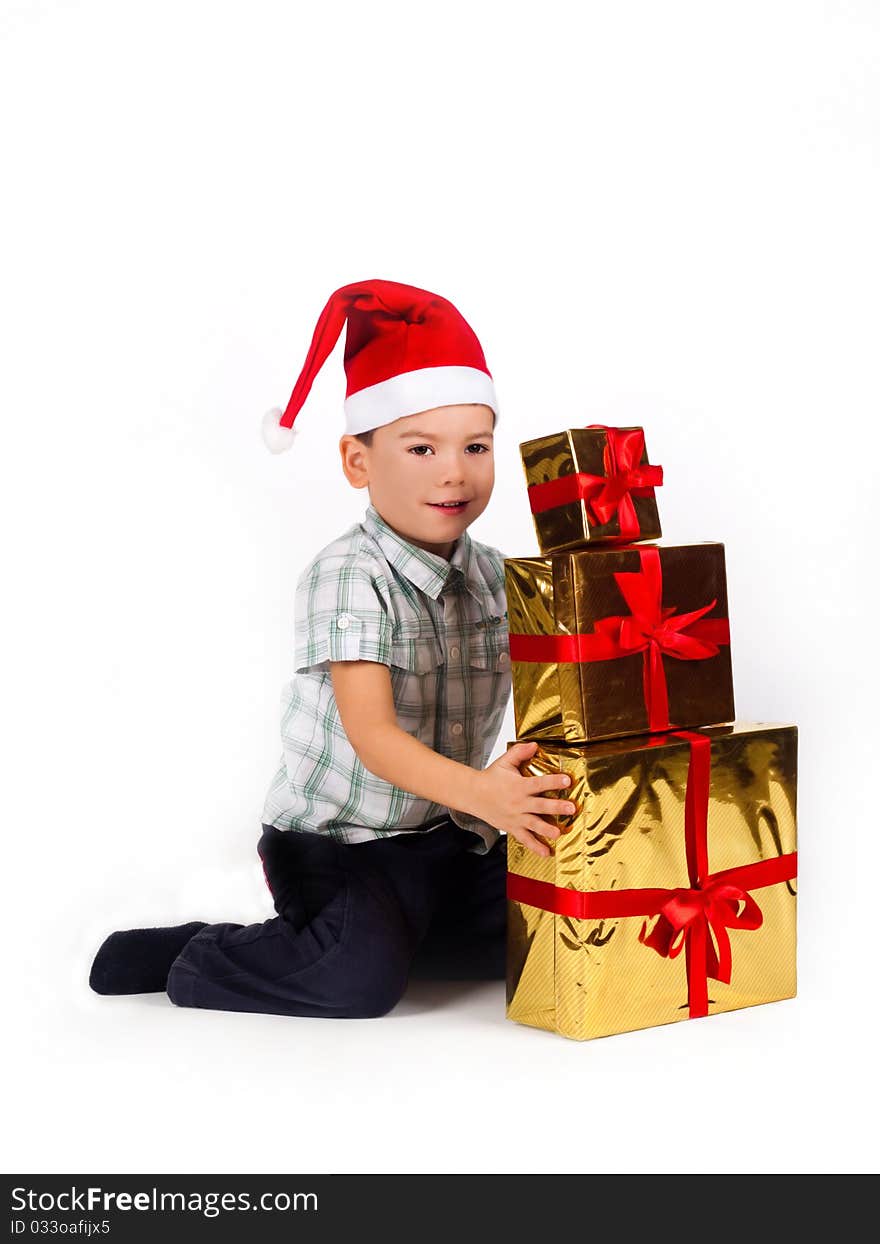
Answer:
(512, 802)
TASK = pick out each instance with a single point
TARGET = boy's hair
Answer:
(366, 438)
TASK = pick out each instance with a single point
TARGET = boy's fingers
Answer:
(550, 781)
(533, 844)
(521, 747)
(518, 754)
(545, 828)
(552, 807)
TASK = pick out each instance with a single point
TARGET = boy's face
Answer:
(419, 462)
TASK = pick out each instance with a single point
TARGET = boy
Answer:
(380, 836)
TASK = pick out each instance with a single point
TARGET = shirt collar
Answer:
(426, 570)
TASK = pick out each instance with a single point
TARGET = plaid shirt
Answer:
(441, 628)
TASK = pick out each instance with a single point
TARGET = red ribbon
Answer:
(650, 628)
(695, 919)
(609, 494)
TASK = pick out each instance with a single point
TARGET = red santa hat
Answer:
(406, 350)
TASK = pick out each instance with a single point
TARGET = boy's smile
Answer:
(429, 475)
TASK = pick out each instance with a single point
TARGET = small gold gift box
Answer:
(670, 894)
(591, 484)
(613, 641)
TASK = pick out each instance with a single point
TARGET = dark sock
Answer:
(139, 960)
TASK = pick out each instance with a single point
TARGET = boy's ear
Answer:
(354, 461)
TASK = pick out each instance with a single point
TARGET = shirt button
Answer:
(342, 621)
(456, 727)
(502, 657)
(453, 652)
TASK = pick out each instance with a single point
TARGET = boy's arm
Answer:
(499, 795)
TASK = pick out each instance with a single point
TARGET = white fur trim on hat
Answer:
(276, 438)
(413, 391)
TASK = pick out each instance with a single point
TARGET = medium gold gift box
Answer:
(670, 894)
(591, 484)
(611, 641)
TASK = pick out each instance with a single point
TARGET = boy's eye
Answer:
(415, 449)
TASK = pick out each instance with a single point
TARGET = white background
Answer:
(654, 213)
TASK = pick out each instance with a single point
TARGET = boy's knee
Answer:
(375, 991)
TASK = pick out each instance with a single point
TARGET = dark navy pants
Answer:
(355, 922)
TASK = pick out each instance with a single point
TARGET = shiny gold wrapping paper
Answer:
(592, 978)
(569, 526)
(565, 594)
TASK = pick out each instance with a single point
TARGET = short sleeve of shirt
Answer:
(342, 614)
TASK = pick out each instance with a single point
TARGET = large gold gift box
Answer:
(614, 641)
(589, 484)
(670, 895)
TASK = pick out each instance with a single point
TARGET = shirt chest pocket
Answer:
(489, 649)
(416, 653)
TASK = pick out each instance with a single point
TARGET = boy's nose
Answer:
(452, 473)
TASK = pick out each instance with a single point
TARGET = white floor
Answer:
(444, 1083)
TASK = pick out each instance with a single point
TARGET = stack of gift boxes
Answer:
(670, 893)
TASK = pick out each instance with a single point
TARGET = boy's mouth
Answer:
(450, 507)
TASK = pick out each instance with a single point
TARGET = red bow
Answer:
(609, 494)
(626, 478)
(705, 913)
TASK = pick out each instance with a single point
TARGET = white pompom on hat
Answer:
(277, 437)
(406, 350)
